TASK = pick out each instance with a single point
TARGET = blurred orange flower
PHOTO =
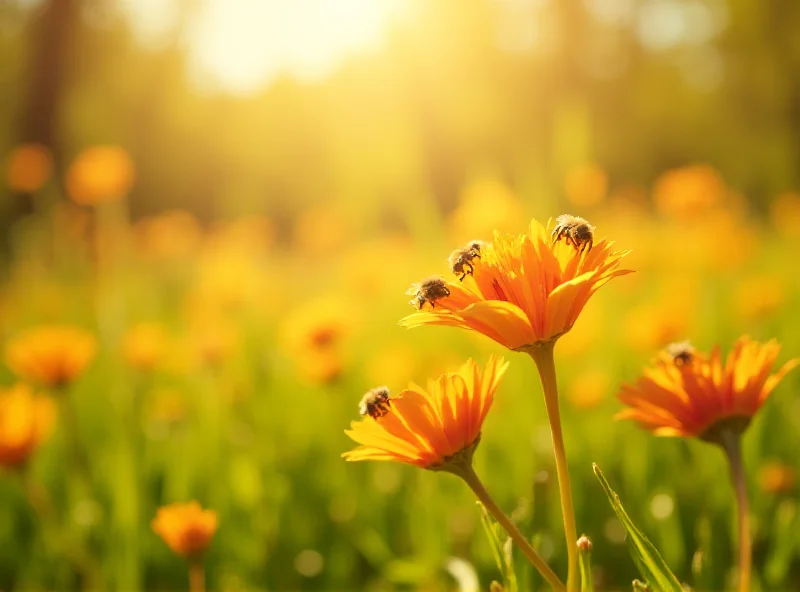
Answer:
(777, 477)
(588, 389)
(428, 428)
(697, 395)
(29, 167)
(524, 289)
(185, 527)
(100, 174)
(145, 345)
(25, 422)
(314, 333)
(51, 355)
(174, 234)
(486, 204)
(689, 192)
(586, 185)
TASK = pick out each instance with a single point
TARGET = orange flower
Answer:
(51, 355)
(25, 422)
(427, 428)
(687, 393)
(524, 289)
(186, 528)
(100, 174)
(29, 167)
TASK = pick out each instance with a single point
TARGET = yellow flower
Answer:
(428, 427)
(100, 174)
(687, 393)
(29, 167)
(185, 527)
(524, 289)
(51, 355)
(25, 422)
(145, 345)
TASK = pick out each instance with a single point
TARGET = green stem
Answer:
(542, 355)
(471, 478)
(731, 444)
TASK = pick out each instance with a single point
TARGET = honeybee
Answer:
(575, 231)
(428, 290)
(682, 353)
(375, 403)
(460, 260)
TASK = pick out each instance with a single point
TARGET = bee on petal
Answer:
(428, 290)
(575, 231)
(375, 403)
(460, 260)
(682, 353)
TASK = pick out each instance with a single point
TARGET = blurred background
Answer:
(231, 198)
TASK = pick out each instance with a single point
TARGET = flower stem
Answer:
(731, 444)
(197, 576)
(542, 355)
(471, 478)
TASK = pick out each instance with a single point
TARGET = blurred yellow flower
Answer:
(689, 192)
(228, 278)
(758, 296)
(100, 174)
(776, 477)
(25, 422)
(524, 289)
(697, 395)
(586, 185)
(186, 528)
(29, 167)
(785, 213)
(145, 345)
(51, 355)
(486, 205)
(429, 427)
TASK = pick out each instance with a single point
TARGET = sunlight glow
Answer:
(242, 44)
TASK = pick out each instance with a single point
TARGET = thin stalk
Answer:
(731, 444)
(471, 478)
(197, 576)
(543, 357)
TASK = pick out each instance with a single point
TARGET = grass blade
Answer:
(651, 566)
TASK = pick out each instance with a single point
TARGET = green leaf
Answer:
(651, 566)
(502, 552)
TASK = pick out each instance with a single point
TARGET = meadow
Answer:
(228, 363)
(211, 214)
